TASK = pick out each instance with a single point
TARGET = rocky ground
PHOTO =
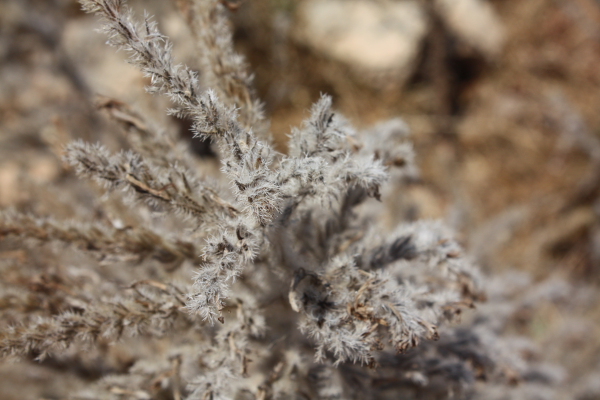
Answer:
(502, 99)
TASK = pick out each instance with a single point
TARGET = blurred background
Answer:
(501, 96)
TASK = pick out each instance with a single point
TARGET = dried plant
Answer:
(273, 279)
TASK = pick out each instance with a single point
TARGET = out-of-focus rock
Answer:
(475, 22)
(9, 188)
(376, 39)
(103, 69)
(43, 169)
(9, 178)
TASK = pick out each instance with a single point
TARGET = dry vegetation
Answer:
(508, 150)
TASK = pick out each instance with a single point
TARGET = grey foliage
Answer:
(287, 286)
